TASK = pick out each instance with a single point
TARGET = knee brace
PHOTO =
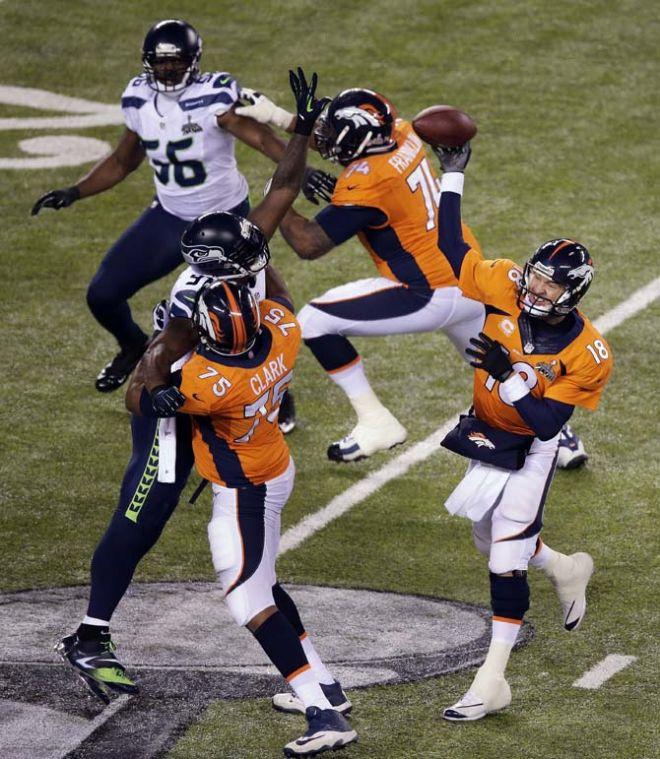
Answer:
(509, 596)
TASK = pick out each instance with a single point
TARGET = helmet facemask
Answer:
(189, 68)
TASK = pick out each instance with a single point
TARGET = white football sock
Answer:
(95, 622)
(503, 638)
(352, 380)
(307, 688)
(318, 667)
(545, 558)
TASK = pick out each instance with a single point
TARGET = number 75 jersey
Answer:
(193, 159)
(570, 363)
(235, 401)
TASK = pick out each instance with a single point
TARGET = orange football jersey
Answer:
(576, 374)
(405, 187)
(235, 401)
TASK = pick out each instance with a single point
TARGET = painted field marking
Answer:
(602, 671)
(77, 736)
(419, 452)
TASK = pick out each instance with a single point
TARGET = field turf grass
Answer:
(565, 96)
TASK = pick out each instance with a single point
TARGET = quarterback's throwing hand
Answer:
(167, 400)
(490, 356)
(318, 184)
(453, 159)
(56, 199)
(308, 108)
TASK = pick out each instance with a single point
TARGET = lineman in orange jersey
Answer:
(536, 358)
(232, 387)
(387, 195)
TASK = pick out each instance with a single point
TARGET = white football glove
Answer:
(262, 109)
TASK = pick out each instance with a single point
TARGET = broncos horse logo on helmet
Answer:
(227, 318)
(223, 245)
(564, 262)
(358, 122)
(170, 55)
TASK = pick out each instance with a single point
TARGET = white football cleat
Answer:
(570, 576)
(382, 432)
(327, 730)
(571, 453)
(486, 695)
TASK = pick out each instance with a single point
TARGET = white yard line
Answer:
(602, 671)
(77, 736)
(398, 466)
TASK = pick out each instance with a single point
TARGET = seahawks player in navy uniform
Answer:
(216, 245)
(184, 123)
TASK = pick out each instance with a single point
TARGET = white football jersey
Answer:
(189, 283)
(192, 157)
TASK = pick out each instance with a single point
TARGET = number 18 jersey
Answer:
(572, 366)
(193, 158)
(235, 401)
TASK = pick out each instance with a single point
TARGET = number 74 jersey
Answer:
(570, 363)
(235, 401)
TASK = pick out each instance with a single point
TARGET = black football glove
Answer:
(490, 356)
(308, 109)
(56, 199)
(166, 400)
(453, 159)
(318, 184)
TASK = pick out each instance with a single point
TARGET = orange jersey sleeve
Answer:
(234, 402)
(589, 364)
(404, 186)
(489, 281)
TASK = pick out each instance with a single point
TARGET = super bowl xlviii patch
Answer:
(190, 126)
(186, 652)
(547, 369)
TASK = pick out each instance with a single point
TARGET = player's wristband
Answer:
(452, 181)
(513, 389)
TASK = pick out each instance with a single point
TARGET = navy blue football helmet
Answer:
(356, 123)
(227, 318)
(566, 263)
(170, 55)
(224, 245)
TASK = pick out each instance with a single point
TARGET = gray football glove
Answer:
(453, 159)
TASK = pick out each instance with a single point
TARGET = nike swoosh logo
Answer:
(196, 397)
(84, 662)
(224, 79)
(351, 186)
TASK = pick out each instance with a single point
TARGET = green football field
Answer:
(566, 99)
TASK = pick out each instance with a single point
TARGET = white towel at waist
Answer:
(477, 491)
(167, 439)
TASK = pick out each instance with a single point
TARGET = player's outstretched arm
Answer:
(450, 235)
(306, 236)
(288, 176)
(276, 287)
(153, 370)
(108, 172)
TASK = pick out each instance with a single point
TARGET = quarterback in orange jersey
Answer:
(232, 387)
(387, 195)
(536, 358)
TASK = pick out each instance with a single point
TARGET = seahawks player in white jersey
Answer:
(184, 123)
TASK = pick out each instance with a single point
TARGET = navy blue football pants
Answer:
(146, 251)
(144, 507)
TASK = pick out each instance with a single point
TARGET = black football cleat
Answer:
(114, 374)
(95, 663)
(286, 418)
(327, 730)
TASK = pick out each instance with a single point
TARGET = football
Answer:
(444, 125)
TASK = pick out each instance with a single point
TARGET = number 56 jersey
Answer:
(569, 362)
(192, 157)
(235, 401)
